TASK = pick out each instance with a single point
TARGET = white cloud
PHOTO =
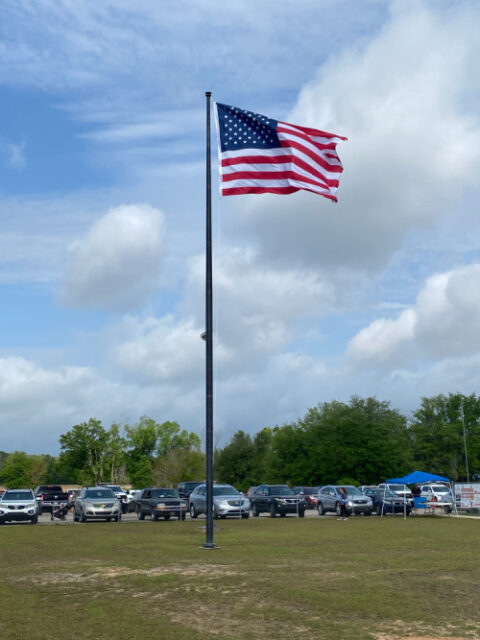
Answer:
(160, 351)
(117, 264)
(37, 404)
(413, 148)
(442, 324)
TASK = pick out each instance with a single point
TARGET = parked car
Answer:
(17, 505)
(50, 497)
(386, 501)
(400, 489)
(97, 503)
(227, 501)
(328, 499)
(276, 499)
(309, 494)
(439, 493)
(160, 502)
(132, 497)
(120, 494)
(185, 488)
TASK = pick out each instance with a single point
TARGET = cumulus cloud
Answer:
(414, 142)
(442, 324)
(117, 263)
(160, 350)
(37, 404)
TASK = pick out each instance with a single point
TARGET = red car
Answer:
(309, 494)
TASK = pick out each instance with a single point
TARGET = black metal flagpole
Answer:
(209, 543)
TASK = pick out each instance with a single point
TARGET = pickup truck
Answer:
(50, 497)
(158, 502)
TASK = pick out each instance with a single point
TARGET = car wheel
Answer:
(215, 513)
(301, 513)
(368, 513)
(193, 511)
(34, 520)
(255, 511)
(140, 514)
(167, 517)
(83, 517)
(447, 510)
(108, 519)
(154, 516)
(2, 521)
(118, 518)
(245, 516)
(320, 509)
(75, 516)
(273, 511)
(338, 509)
(283, 515)
(378, 509)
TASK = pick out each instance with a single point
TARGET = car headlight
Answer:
(222, 503)
(349, 503)
(89, 505)
(280, 499)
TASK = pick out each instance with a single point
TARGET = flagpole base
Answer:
(209, 546)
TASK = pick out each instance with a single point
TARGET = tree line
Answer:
(361, 441)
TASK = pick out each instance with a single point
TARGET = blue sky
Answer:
(102, 212)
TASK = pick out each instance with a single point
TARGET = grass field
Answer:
(368, 578)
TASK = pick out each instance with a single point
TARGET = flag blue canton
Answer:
(242, 129)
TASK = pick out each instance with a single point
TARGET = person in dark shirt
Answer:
(343, 504)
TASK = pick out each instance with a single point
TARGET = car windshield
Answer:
(310, 490)
(99, 493)
(165, 493)
(225, 491)
(382, 492)
(397, 487)
(440, 488)
(282, 490)
(351, 491)
(17, 495)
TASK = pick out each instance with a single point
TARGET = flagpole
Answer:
(209, 543)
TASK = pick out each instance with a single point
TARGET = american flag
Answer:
(262, 155)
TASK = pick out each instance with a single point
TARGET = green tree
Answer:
(235, 463)
(23, 471)
(438, 428)
(84, 449)
(178, 465)
(115, 455)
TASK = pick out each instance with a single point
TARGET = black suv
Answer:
(276, 498)
(160, 502)
(186, 488)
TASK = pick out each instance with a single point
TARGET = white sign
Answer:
(467, 496)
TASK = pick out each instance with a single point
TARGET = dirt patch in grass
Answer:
(210, 571)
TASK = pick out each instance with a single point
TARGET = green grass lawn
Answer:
(368, 578)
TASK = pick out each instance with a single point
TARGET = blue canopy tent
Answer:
(417, 477)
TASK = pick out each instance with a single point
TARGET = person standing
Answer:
(343, 504)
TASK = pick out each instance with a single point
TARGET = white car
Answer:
(18, 505)
(439, 493)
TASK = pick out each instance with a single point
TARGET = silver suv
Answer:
(227, 501)
(97, 503)
(18, 505)
(328, 499)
